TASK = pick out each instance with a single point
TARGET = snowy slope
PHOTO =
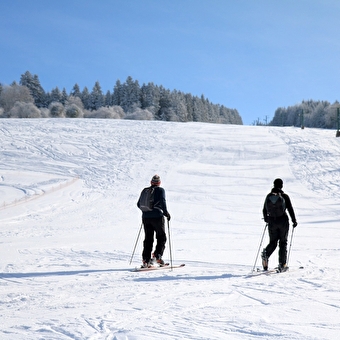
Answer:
(69, 222)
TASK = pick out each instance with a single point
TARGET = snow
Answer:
(69, 223)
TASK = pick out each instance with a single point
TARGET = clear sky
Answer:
(251, 55)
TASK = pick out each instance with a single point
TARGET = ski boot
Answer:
(264, 260)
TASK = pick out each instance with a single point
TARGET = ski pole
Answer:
(290, 246)
(170, 245)
(133, 253)
(264, 230)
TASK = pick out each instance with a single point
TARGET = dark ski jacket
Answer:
(289, 207)
(160, 208)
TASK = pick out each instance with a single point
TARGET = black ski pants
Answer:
(278, 233)
(152, 226)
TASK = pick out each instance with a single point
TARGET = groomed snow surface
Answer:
(69, 223)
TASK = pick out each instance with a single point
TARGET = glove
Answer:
(168, 217)
(294, 224)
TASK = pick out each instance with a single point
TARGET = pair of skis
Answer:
(270, 271)
(157, 267)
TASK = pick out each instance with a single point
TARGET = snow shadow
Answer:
(187, 278)
(57, 273)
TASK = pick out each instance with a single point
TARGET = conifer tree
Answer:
(76, 91)
(130, 95)
(33, 84)
(96, 97)
(85, 98)
(117, 94)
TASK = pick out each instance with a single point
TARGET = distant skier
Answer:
(274, 213)
(153, 205)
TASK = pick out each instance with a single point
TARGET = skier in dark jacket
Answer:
(153, 222)
(278, 228)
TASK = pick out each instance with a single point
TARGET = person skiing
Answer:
(274, 213)
(153, 222)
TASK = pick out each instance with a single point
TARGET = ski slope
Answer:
(69, 223)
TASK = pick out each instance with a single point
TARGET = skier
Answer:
(153, 222)
(278, 224)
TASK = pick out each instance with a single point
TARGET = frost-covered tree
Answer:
(130, 95)
(117, 94)
(197, 109)
(24, 110)
(108, 99)
(12, 94)
(178, 107)
(55, 95)
(96, 99)
(85, 98)
(189, 105)
(64, 96)
(308, 113)
(75, 92)
(164, 112)
(57, 110)
(73, 111)
(139, 114)
(150, 97)
(112, 112)
(74, 100)
(36, 90)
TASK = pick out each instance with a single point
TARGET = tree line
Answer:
(310, 113)
(128, 100)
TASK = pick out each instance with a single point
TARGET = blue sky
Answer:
(251, 55)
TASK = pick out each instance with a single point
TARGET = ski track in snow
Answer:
(69, 222)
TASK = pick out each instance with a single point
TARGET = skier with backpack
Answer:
(152, 202)
(274, 213)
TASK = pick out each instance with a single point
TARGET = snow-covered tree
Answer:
(73, 111)
(12, 94)
(75, 91)
(130, 95)
(112, 112)
(108, 99)
(117, 94)
(55, 95)
(85, 98)
(150, 97)
(139, 114)
(57, 110)
(36, 90)
(24, 110)
(64, 96)
(96, 97)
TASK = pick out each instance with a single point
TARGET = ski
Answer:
(263, 272)
(270, 271)
(165, 266)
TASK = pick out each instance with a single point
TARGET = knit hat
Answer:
(278, 183)
(156, 180)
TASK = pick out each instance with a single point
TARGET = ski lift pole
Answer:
(258, 252)
(338, 118)
(134, 249)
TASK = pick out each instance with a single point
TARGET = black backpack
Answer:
(146, 199)
(275, 205)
